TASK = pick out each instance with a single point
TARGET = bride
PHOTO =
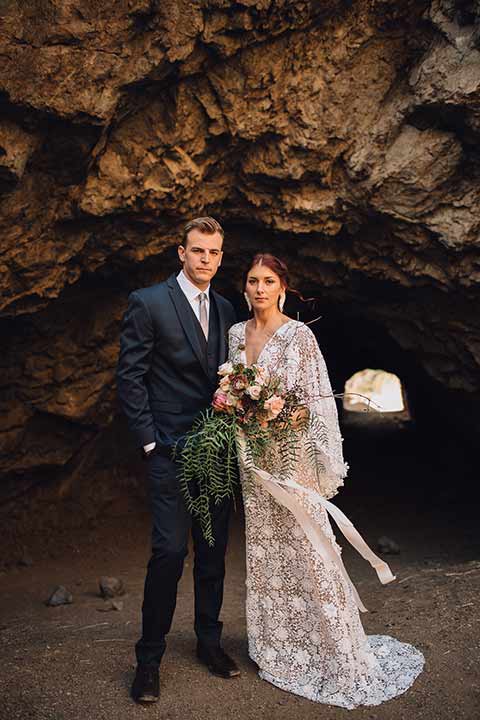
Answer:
(303, 623)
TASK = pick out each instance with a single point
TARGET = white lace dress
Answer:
(303, 623)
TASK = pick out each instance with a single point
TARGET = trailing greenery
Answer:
(208, 466)
(316, 440)
(209, 457)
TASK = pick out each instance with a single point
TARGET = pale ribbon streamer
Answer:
(321, 543)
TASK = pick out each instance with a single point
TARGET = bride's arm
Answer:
(233, 341)
(314, 382)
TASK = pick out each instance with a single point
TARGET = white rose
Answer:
(254, 391)
(225, 369)
(262, 375)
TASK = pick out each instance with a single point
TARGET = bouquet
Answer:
(251, 401)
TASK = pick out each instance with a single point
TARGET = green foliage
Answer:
(208, 466)
(316, 442)
(209, 458)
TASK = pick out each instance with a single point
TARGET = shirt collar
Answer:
(190, 290)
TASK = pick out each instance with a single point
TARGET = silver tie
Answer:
(203, 313)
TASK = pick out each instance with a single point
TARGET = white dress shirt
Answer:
(192, 293)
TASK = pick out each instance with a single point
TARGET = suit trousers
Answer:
(171, 528)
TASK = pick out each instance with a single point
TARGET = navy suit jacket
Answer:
(162, 375)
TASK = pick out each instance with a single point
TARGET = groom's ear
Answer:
(181, 253)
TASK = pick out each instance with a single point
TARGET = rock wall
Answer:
(344, 135)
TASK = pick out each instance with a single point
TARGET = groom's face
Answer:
(201, 256)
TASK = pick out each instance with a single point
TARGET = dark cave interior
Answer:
(429, 460)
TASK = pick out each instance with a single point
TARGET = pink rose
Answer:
(274, 406)
(239, 383)
(219, 401)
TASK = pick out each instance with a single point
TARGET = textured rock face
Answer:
(342, 134)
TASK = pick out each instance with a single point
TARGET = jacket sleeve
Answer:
(233, 315)
(136, 347)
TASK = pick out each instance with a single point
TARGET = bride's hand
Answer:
(299, 417)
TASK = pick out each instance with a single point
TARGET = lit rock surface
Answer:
(345, 136)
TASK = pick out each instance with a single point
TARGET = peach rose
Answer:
(225, 384)
(262, 376)
(274, 406)
(231, 401)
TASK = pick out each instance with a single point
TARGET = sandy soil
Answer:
(75, 662)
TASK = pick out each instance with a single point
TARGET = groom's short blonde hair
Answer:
(207, 225)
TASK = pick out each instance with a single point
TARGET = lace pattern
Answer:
(304, 629)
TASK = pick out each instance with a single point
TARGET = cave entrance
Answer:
(375, 390)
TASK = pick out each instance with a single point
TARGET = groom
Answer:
(174, 337)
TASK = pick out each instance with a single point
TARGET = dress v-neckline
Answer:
(244, 351)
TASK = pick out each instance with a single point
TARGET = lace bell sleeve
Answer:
(324, 431)
(234, 343)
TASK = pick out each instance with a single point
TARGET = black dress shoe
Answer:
(217, 661)
(145, 686)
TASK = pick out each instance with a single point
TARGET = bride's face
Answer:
(263, 287)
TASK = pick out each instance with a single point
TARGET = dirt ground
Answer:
(74, 662)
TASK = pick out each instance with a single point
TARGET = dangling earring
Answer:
(281, 300)
(247, 300)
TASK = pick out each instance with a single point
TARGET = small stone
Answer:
(25, 560)
(387, 546)
(60, 596)
(112, 605)
(111, 587)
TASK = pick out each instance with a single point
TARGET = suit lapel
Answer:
(222, 327)
(187, 320)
